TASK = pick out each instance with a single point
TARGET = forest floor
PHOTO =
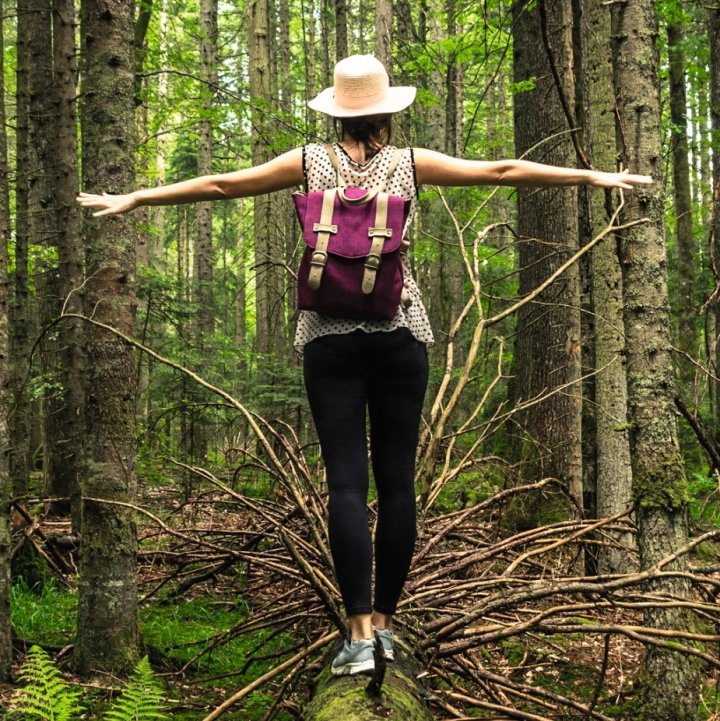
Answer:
(213, 622)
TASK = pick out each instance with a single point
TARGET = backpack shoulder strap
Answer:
(336, 164)
(397, 156)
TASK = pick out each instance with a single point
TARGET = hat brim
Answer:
(398, 98)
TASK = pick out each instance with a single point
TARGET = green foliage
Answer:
(523, 86)
(142, 698)
(704, 499)
(46, 695)
(43, 612)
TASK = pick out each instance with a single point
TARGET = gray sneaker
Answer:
(386, 637)
(354, 658)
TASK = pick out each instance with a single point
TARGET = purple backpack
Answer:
(352, 264)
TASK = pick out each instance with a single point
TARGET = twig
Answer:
(229, 703)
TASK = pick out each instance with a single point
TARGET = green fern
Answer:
(142, 698)
(47, 696)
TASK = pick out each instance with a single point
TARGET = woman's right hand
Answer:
(109, 204)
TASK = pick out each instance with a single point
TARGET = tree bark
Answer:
(19, 432)
(269, 254)
(5, 485)
(203, 325)
(65, 480)
(384, 33)
(43, 224)
(547, 351)
(405, 38)
(613, 477)
(669, 684)
(341, 35)
(107, 629)
(686, 312)
(714, 36)
(343, 698)
(445, 273)
(203, 219)
(241, 297)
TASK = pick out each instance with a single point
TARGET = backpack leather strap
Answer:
(324, 228)
(336, 164)
(379, 232)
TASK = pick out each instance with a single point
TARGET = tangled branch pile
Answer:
(491, 618)
(516, 623)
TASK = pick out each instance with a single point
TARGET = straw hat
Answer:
(361, 87)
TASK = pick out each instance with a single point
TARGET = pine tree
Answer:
(670, 682)
(107, 630)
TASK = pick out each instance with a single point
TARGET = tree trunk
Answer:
(203, 243)
(613, 477)
(670, 684)
(19, 432)
(241, 298)
(203, 255)
(41, 177)
(270, 344)
(5, 485)
(547, 351)
(686, 312)
(445, 275)
(384, 33)
(107, 632)
(405, 38)
(343, 698)
(65, 480)
(714, 36)
(341, 34)
(587, 320)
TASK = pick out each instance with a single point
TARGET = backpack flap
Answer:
(352, 265)
(353, 222)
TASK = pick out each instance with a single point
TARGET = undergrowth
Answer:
(175, 633)
(47, 696)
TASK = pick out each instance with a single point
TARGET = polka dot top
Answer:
(320, 175)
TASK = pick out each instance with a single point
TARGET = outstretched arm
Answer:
(439, 169)
(282, 172)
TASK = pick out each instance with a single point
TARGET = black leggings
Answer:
(387, 373)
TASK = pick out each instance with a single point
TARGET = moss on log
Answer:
(344, 698)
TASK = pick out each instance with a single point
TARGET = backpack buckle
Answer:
(372, 262)
(319, 258)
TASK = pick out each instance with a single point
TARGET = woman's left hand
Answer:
(625, 180)
(109, 204)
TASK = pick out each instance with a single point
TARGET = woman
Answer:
(352, 366)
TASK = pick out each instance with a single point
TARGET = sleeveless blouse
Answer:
(320, 175)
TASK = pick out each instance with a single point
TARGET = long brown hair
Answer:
(372, 131)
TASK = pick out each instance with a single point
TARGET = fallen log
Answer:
(355, 698)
